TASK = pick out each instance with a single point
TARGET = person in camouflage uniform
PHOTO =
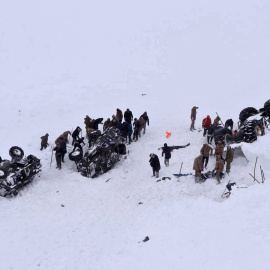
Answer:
(215, 123)
(193, 117)
(44, 141)
(229, 158)
(218, 168)
(107, 124)
(65, 135)
(198, 167)
(205, 151)
(219, 149)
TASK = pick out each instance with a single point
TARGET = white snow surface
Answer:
(61, 60)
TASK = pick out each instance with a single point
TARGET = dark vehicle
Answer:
(18, 172)
(220, 134)
(106, 151)
(248, 132)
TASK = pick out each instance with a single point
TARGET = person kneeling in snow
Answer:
(154, 163)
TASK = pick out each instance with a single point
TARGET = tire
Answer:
(16, 152)
(246, 113)
(267, 104)
(3, 173)
(77, 155)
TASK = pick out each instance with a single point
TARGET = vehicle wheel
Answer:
(77, 155)
(16, 152)
(3, 173)
(267, 104)
(246, 113)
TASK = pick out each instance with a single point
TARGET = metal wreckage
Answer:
(18, 172)
(252, 123)
(104, 152)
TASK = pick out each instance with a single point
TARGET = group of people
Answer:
(200, 162)
(126, 127)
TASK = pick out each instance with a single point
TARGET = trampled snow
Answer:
(62, 61)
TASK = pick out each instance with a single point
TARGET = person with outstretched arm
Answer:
(166, 150)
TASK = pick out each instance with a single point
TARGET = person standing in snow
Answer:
(44, 141)
(58, 155)
(229, 158)
(167, 151)
(219, 149)
(65, 135)
(142, 124)
(63, 146)
(193, 117)
(206, 124)
(198, 167)
(218, 168)
(128, 116)
(154, 163)
(146, 119)
(205, 150)
(136, 125)
(119, 115)
(210, 134)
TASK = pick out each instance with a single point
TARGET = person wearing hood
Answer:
(166, 150)
(206, 124)
(154, 163)
(193, 117)
(44, 141)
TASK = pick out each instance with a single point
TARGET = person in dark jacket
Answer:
(210, 134)
(119, 115)
(63, 146)
(58, 155)
(77, 144)
(136, 125)
(125, 130)
(130, 131)
(229, 124)
(44, 141)
(154, 163)
(167, 151)
(146, 118)
(75, 134)
(128, 116)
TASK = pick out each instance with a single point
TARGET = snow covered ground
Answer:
(61, 61)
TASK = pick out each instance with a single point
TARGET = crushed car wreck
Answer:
(18, 172)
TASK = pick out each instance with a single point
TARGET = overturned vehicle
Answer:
(105, 152)
(252, 123)
(18, 172)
